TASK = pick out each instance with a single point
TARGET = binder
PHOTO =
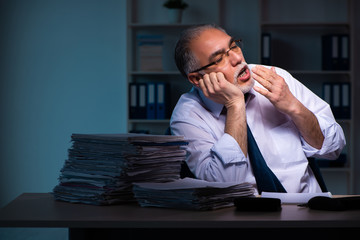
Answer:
(336, 100)
(344, 61)
(327, 93)
(141, 110)
(162, 101)
(345, 101)
(337, 95)
(137, 100)
(150, 49)
(330, 52)
(150, 104)
(149, 101)
(266, 49)
(133, 100)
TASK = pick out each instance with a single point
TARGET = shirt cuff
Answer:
(228, 150)
(328, 131)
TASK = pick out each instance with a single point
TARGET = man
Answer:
(288, 121)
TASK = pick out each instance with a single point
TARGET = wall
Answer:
(63, 70)
(241, 20)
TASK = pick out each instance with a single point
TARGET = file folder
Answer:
(338, 96)
(336, 100)
(162, 103)
(266, 49)
(133, 101)
(151, 93)
(327, 95)
(345, 101)
(344, 63)
(141, 110)
(137, 100)
(330, 52)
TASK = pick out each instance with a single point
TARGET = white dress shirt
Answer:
(214, 155)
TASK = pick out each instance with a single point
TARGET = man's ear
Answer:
(194, 78)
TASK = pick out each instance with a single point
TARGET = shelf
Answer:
(320, 72)
(335, 169)
(141, 73)
(305, 24)
(160, 25)
(160, 121)
(296, 30)
(291, 71)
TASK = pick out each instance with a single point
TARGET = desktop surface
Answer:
(41, 210)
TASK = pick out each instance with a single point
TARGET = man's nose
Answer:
(235, 58)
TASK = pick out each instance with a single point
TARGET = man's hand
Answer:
(276, 89)
(217, 88)
(278, 93)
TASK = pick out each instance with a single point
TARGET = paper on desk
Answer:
(189, 193)
(189, 183)
(101, 168)
(294, 198)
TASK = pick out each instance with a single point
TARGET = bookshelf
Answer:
(294, 35)
(296, 30)
(149, 17)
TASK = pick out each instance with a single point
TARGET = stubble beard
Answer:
(249, 84)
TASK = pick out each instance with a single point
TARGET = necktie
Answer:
(265, 178)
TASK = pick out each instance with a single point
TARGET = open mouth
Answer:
(244, 74)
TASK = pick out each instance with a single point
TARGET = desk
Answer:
(86, 221)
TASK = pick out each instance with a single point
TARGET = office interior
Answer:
(64, 69)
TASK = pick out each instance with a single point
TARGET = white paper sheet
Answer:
(294, 198)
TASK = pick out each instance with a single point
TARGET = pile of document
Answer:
(101, 168)
(189, 193)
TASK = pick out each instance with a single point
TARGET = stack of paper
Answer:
(190, 193)
(101, 168)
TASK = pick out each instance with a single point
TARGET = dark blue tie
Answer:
(265, 179)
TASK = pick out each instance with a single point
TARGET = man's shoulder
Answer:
(189, 97)
(187, 102)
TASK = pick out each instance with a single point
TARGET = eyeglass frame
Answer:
(222, 55)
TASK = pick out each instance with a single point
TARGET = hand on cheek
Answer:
(217, 88)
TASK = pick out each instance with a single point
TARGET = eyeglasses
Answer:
(220, 59)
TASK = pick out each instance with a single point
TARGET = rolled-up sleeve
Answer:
(334, 140)
(210, 158)
(228, 150)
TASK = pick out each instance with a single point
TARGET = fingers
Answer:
(262, 91)
(268, 78)
(265, 83)
(211, 83)
(264, 73)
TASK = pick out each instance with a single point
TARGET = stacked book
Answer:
(150, 52)
(101, 168)
(189, 193)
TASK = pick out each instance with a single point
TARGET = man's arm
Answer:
(217, 88)
(278, 93)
